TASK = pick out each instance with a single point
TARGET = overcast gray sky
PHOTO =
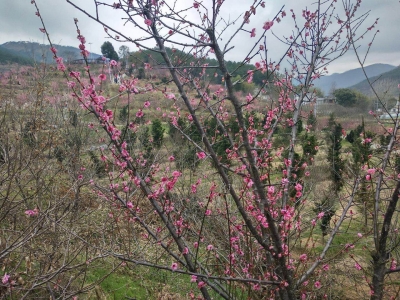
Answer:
(19, 23)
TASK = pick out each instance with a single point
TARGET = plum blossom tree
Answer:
(239, 226)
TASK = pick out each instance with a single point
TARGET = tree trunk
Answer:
(381, 256)
(378, 277)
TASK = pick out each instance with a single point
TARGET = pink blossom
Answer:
(268, 25)
(298, 187)
(107, 115)
(148, 22)
(174, 266)
(170, 96)
(5, 278)
(210, 247)
(171, 158)
(129, 205)
(287, 213)
(146, 104)
(113, 63)
(85, 53)
(249, 97)
(42, 30)
(185, 251)
(71, 84)
(32, 212)
(75, 74)
(367, 141)
(325, 267)
(193, 278)
(208, 212)
(371, 171)
(176, 174)
(371, 292)
(303, 257)
(359, 235)
(357, 266)
(102, 77)
(349, 246)
(317, 284)
(82, 39)
(196, 5)
(60, 65)
(201, 284)
(393, 264)
(253, 32)
(250, 76)
(249, 182)
(201, 155)
(139, 114)
(54, 50)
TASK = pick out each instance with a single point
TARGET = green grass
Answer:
(117, 285)
(142, 283)
(138, 283)
(346, 235)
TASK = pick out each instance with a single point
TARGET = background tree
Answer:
(326, 203)
(334, 139)
(157, 132)
(107, 49)
(345, 97)
(123, 53)
(141, 73)
(318, 92)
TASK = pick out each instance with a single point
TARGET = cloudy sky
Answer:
(19, 23)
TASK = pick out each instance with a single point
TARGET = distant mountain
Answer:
(384, 84)
(39, 52)
(351, 77)
(8, 57)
